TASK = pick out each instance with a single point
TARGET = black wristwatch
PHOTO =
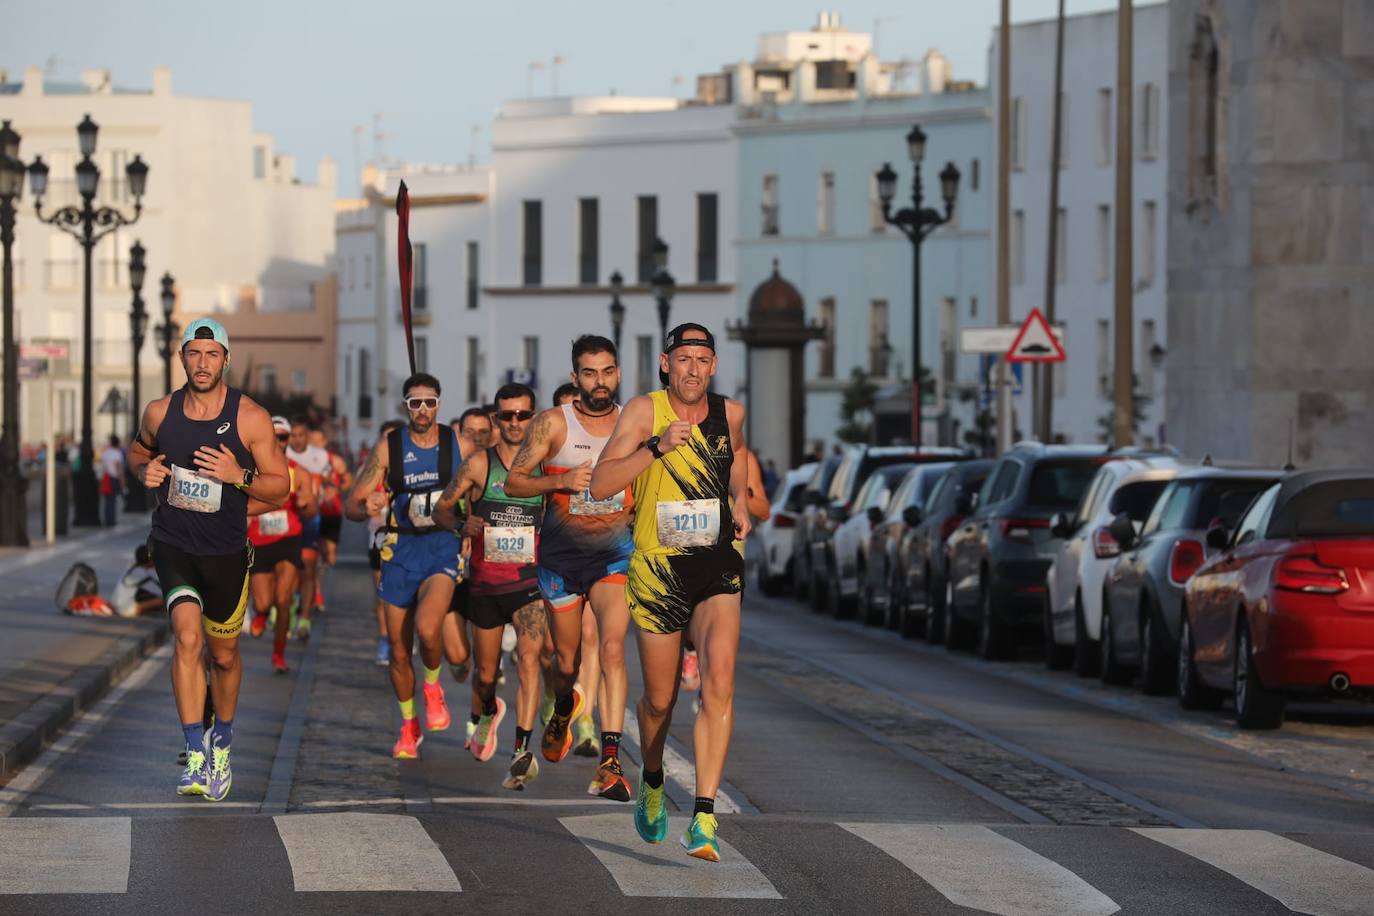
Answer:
(652, 445)
(248, 476)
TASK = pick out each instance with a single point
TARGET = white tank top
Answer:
(578, 444)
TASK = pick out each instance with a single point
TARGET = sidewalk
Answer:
(53, 666)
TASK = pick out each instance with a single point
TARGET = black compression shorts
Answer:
(487, 612)
(219, 584)
(330, 527)
(267, 556)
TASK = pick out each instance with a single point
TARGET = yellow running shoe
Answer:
(651, 816)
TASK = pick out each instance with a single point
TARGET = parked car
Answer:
(1145, 584)
(999, 555)
(813, 507)
(849, 544)
(1086, 547)
(1287, 603)
(916, 583)
(858, 463)
(771, 547)
(887, 527)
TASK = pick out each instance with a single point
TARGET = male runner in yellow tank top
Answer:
(683, 451)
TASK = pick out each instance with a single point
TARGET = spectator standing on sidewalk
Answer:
(111, 479)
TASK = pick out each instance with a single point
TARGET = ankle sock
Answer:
(195, 735)
(522, 738)
(653, 778)
(407, 708)
(610, 744)
(489, 707)
(563, 705)
(432, 675)
(704, 806)
(222, 734)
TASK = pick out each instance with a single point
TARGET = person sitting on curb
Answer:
(138, 592)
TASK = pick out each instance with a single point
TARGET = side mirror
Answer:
(1061, 526)
(1123, 529)
(875, 516)
(912, 515)
(1218, 537)
(963, 504)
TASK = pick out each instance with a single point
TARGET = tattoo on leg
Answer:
(529, 620)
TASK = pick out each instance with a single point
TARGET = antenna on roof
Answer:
(1207, 460)
(1290, 466)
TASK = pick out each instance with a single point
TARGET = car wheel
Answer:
(816, 590)
(1154, 664)
(1257, 706)
(801, 577)
(992, 634)
(863, 602)
(935, 614)
(836, 603)
(1057, 657)
(1192, 693)
(956, 630)
(1110, 670)
(1085, 651)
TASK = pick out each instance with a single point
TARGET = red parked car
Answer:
(1286, 604)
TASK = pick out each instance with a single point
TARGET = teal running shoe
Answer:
(700, 838)
(651, 815)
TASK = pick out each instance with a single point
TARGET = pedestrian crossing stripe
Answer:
(978, 867)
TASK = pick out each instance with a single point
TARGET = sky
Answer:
(428, 75)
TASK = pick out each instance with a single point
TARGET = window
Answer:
(1018, 133)
(1170, 510)
(419, 278)
(1001, 485)
(588, 240)
(879, 350)
(349, 272)
(708, 238)
(474, 368)
(112, 265)
(259, 162)
(825, 203)
(1145, 362)
(647, 208)
(645, 365)
(298, 378)
(472, 275)
(530, 348)
(827, 347)
(533, 243)
(1203, 112)
(364, 384)
(348, 374)
(1061, 246)
(1063, 129)
(973, 171)
(1104, 358)
(770, 205)
(875, 206)
(267, 379)
(1104, 243)
(1254, 522)
(1017, 243)
(973, 306)
(1104, 127)
(949, 353)
(421, 353)
(367, 271)
(61, 261)
(1149, 121)
(1147, 243)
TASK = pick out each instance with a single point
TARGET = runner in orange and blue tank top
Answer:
(584, 555)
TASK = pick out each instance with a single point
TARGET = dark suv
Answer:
(999, 556)
(813, 506)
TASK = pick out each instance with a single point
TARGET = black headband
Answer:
(677, 338)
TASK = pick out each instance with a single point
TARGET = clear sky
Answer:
(318, 73)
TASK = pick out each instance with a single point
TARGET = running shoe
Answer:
(523, 769)
(484, 739)
(259, 624)
(546, 706)
(558, 738)
(272, 616)
(586, 742)
(383, 652)
(407, 746)
(436, 710)
(303, 629)
(221, 777)
(651, 815)
(279, 662)
(699, 839)
(691, 671)
(196, 776)
(508, 638)
(470, 728)
(500, 676)
(610, 781)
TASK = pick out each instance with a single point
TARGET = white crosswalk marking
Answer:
(977, 867)
(1303, 879)
(644, 870)
(64, 855)
(363, 852)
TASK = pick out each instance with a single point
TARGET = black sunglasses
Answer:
(505, 416)
(283, 437)
(417, 403)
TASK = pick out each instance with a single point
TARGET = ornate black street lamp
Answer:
(663, 286)
(13, 512)
(134, 494)
(617, 309)
(88, 224)
(917, 222)
(168, 330)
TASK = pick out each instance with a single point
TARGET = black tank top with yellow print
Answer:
(683, 498)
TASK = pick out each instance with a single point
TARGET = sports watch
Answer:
(652, 445)
(248, 476)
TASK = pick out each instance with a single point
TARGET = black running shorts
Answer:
(219, 584)
(487, 612)
(330, 527)
(267, 556)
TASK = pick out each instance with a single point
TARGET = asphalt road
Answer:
(867, 774)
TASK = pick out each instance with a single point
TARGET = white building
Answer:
(1084, 295)
(224, 213)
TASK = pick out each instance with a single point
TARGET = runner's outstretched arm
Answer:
(624, 457)
(548, 428)
(357, 504)
(472, 475)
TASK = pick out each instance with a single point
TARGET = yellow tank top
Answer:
(698, 472)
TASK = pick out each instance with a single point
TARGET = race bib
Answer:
(689, 523)
(509, 545)
(274, 523)
(583, 504)
(420, 507)
(188, 490)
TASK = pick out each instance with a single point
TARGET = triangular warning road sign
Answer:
(1035, 343)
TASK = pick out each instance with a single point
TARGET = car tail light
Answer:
(1019, 529)
(1304, 574)
(1104, 545)
(949, 525)
(783, 520)
(1185, 559)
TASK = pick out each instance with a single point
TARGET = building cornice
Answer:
(718, 135)
(688, 289)
(436, 200)
(864, 121)
(859, 238)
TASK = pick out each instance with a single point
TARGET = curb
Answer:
(22, 739)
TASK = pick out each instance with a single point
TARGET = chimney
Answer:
(162, 81)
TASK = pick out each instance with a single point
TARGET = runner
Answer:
(211, 453)
(376, 531)
(419, 558)
(337, 480)
(503, 587)
(683, 450)
(565, 393)
(276, 539)
(475, 426)
(584, 552)
(315, 462)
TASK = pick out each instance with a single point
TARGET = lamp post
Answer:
(134, 494)
(917, 222)
(663, 286)
(617, 309)
(168, 330)
(88, 224)
(13, 513)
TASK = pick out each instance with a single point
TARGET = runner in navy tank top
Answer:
(211, 456)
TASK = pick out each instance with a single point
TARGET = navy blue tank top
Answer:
(411, 508)
(200, 515)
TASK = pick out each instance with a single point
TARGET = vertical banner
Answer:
(405, 265)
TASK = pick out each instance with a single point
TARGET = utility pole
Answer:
(1044, 372)
(1123, 380)
(1003, 220)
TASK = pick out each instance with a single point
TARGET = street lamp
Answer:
(916, 222)
(134, 493)
(663, 286)
(617, 309)
(168, 330)
(13, 512)
(88, 224)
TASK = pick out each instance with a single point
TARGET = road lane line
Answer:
(363, 852)
(65, 855)
(192, 805)
(32, 777)
(293, 729)
(644, 870)
(976, 867)
(1303, 879)
(680, 769)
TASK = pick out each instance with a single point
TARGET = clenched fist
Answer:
(155, 472)
(678, 433)
(579, 478)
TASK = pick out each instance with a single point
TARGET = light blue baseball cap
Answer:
(206, 329)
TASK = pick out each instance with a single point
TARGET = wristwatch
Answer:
(652, 445)
(248, 478)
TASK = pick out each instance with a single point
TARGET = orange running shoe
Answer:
(259, 624)
(610, 781)
(279, 661)
(436, 710)
(408, 745)
(691, 670)
(558, 737)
